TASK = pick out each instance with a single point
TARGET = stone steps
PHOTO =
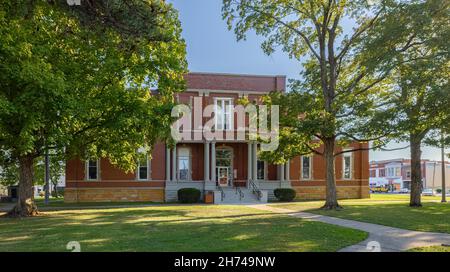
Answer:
(232, 196)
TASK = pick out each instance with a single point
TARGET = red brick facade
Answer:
(114, 184)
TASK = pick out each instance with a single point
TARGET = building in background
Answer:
(39, 190)
(397, 174)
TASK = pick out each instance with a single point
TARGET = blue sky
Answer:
(212, 48)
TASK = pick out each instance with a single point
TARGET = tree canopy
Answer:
(344, 91)
(78, 78)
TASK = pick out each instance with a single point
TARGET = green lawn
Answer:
(172, 228)
(389, 210)
(58, 203)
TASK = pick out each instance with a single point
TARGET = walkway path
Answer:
(381, 238)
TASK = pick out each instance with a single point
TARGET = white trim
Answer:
(207, 92)
(87, 170)
(189, 177)
(264, 169)
(224, 113)
(344, 155)
(231, 167)
(310, 167)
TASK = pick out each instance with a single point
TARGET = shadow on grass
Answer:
(432, 217)
(172, 229)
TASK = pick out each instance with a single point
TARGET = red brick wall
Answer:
(158, 163)
(360, 170)
(235, 82)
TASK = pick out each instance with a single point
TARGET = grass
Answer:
(389, 210)
(172, 228)
(57, 203)
(431, 249)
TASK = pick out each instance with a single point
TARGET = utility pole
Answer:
(443, 167)
(47, 178)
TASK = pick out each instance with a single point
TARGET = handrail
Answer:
(241, 194)
(255, 189)
(222, 193)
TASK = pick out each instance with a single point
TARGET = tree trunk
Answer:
(331, 192)
(47, 178)
(25, 204)
(416, 172)
(443, 199)
(55, 190)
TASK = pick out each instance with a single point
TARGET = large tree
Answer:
(78, 79)
(421, 92)
(341, 97)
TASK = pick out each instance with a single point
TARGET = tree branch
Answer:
(369, 148)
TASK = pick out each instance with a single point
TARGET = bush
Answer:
(60, 193)
(285, 194)
(189, 195)
(5, 199)
(438, 191)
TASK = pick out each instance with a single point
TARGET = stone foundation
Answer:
(319, 192)
(72, 195)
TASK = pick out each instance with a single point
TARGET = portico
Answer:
(208, 165)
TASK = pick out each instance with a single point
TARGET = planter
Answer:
(209, 197)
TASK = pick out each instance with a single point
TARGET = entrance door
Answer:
(224, 166)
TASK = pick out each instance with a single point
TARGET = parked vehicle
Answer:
(427, 192)
(379, 189)
(404, 191)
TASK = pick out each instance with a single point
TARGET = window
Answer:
(92, 170)
(347, 166)
(224, 113)
(390, 172)
(373, 173)
(382, 172)
(260, 169)
(408, 174)
(184, 164)
(143, 168)
(306, 168)
(394, 172)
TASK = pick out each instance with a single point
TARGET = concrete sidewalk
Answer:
(381, 238)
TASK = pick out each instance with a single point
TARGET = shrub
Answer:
(189, 195)
(284, 194)
(5, 199)
(438, 191)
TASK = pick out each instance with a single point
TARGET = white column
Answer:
(249, 161)
(206, 162)
(174, 163)
(288, 168)
(213, 161)
(167, 164)
(282, 172)
(255, 161)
